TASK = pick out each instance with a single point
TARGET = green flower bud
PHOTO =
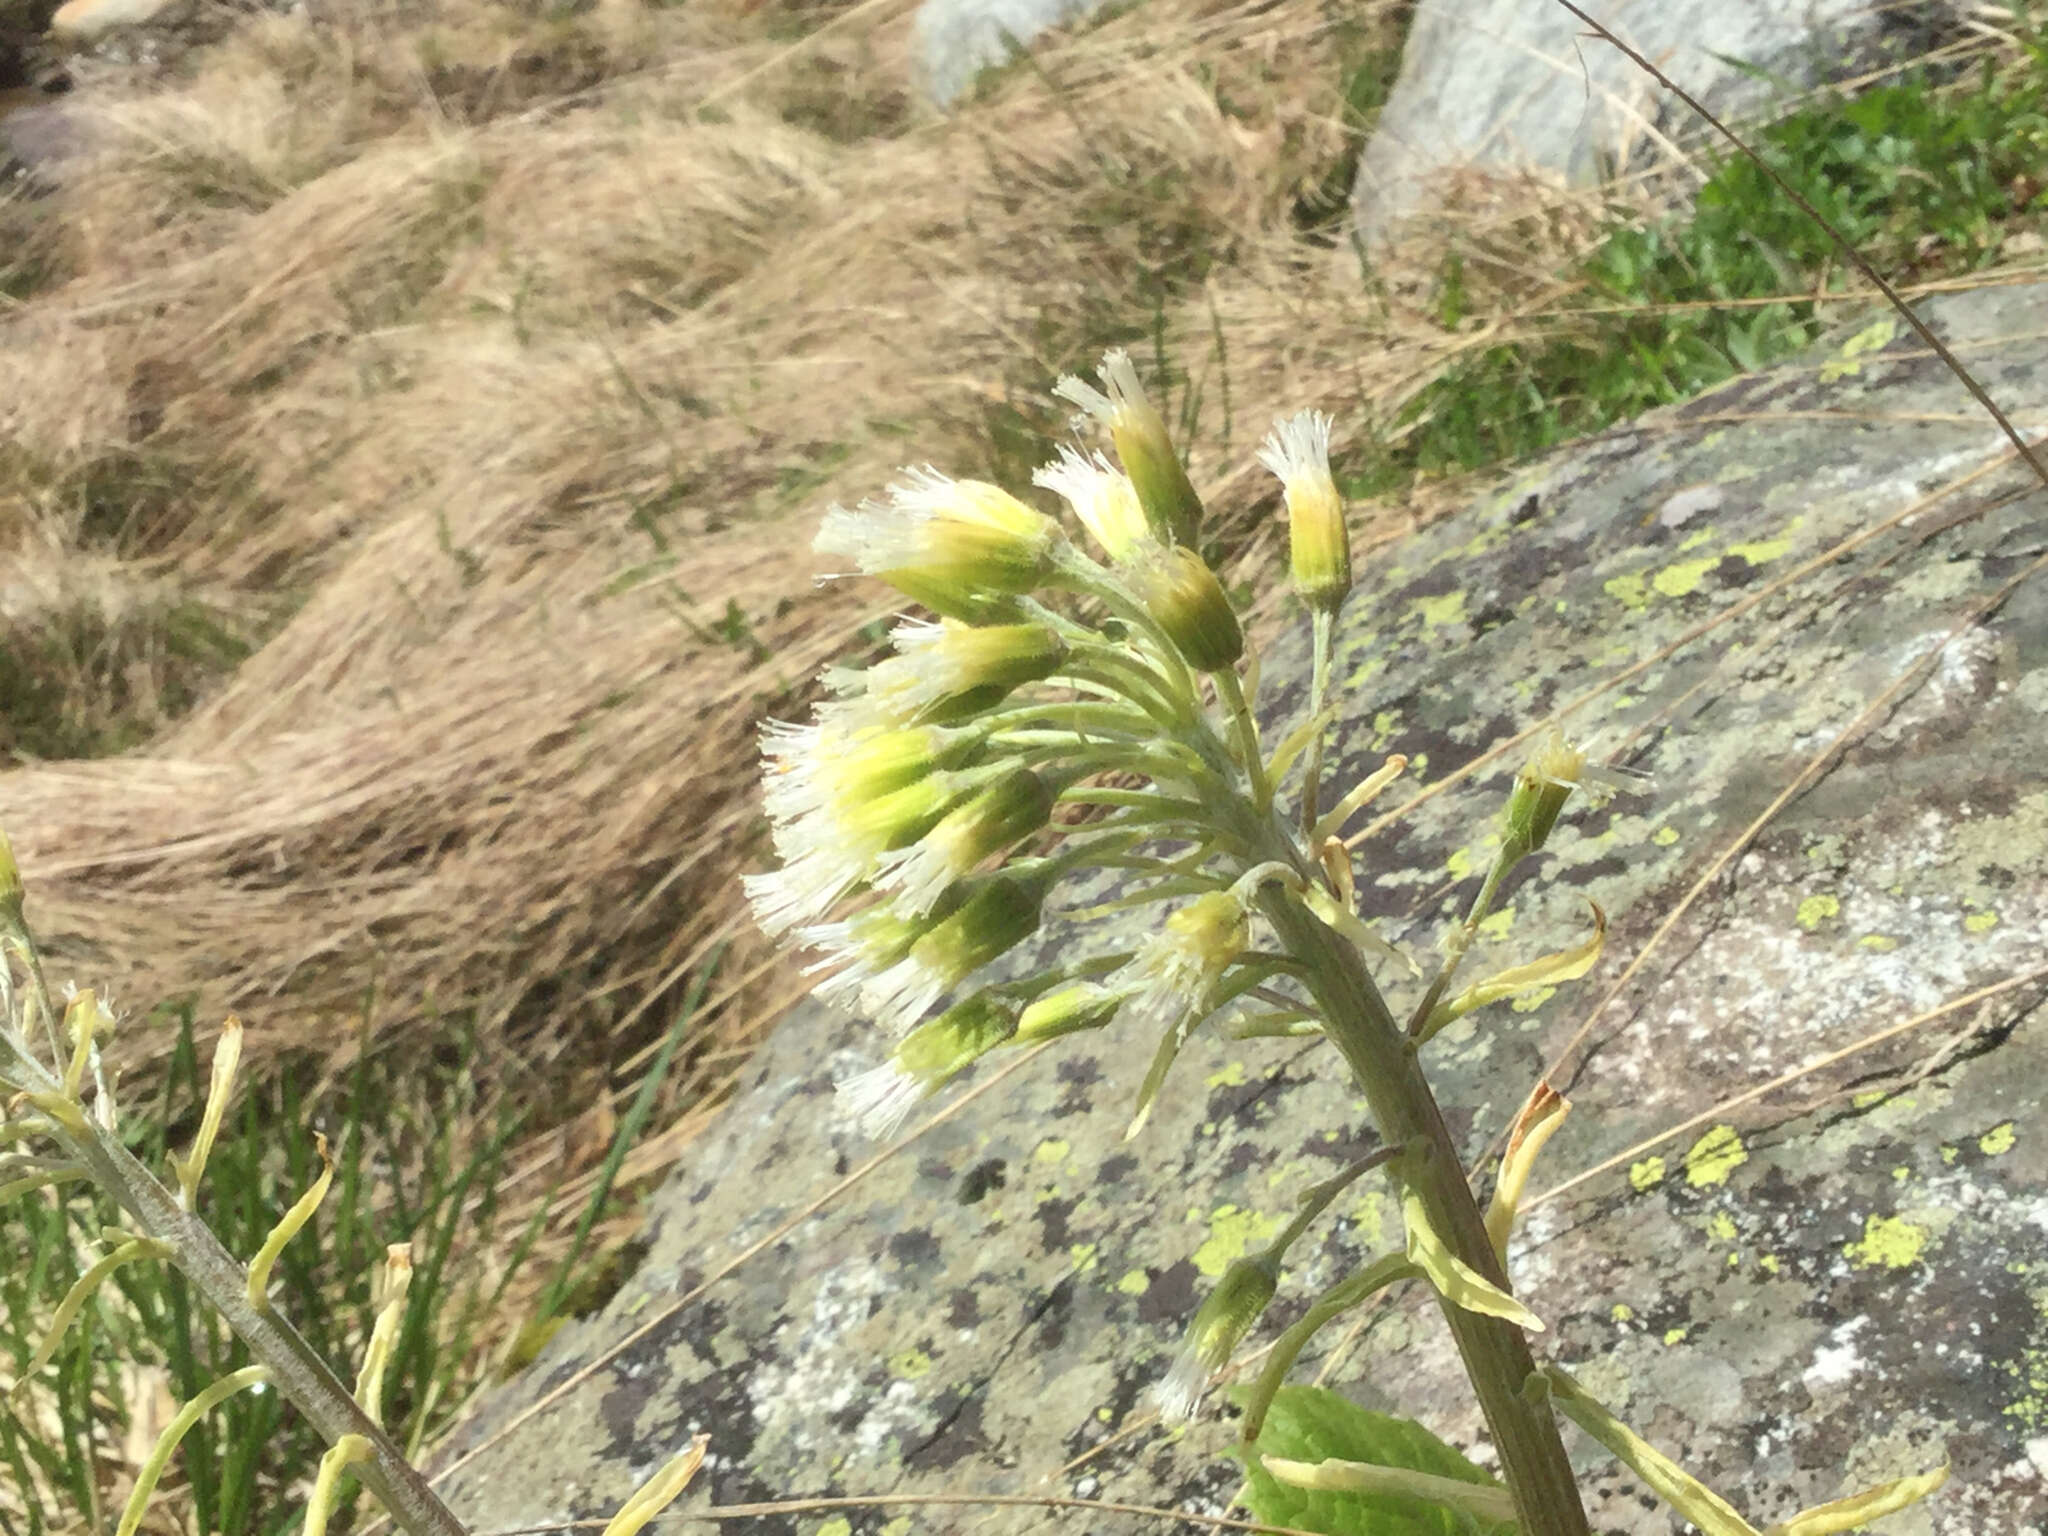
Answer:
(1187, 601)
(1068, 1011)
(999, 914)
(1143, 447)
(928, 1058)
(1008, 811)
(1319, 545)
(1539, 795)
(1239, 1299)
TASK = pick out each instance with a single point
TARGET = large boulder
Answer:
(1799, 1288)
(1520, 86)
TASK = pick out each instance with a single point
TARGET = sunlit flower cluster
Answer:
(914, 816)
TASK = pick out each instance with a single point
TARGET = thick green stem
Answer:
(1495, 1353)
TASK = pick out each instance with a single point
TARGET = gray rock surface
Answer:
(1513, 85)
(1799, 1290)
(958, 39)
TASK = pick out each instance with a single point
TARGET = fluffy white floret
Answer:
(1179, 1392)
(1298, 447)
(880, 1099)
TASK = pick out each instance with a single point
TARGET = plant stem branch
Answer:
(1496, 1354)
(1324, 628)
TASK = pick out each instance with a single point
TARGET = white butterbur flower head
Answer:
(1103, 499)
(1319, 545)
(857, 948)
(880, 1099)
(1000, 816)
(938, 663)
(1176, 971)
(852, 752)
(826, 854)
(1143, 446)
(1557, 769)
(949, 544)
(1238, 1301)
(1000, 913)
(927, 1059)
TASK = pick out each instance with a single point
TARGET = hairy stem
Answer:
(1495, 1353)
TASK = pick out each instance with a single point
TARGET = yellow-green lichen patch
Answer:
(1888, 1242)
(1052, 1150)
(1629, 590)
(1232, 1232)
(910, 1364)
(1675, 1335)
(1622, 1312)
(1083, 1257)
(838, 1525)
(1981, 922)
(1711, 1159)
(2030, 1370)
(1764, 551)
(1815, 910)
(1496, 925)
(1370, 1217)
(1682, 577)
(1849, 361)
(1721, 1226)
(1997, 1141)
(1664, 837)
(1901, 1173)
(1768, 1263)
(900, 1526)
(1868, 1097)
(1695, 539)
(1384, 724)
(1440, 612)
(1134, 1282)
(1230, 1075)
(1878, 943)
(1646, 1175)
(1460, 863)
(1365, 671)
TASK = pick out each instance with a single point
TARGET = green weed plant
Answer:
(1929, 176)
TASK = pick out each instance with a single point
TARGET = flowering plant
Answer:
(1070, 711)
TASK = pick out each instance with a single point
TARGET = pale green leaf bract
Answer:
(1314, 1424)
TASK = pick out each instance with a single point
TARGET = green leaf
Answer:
(1312, 1424)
